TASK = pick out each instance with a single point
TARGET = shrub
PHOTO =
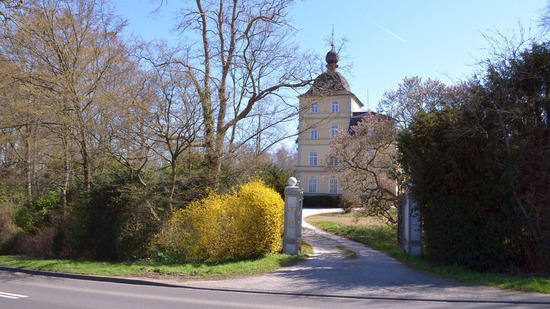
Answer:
(8, 229)
(276, 178)
(39, 214)
(349, 202)
(117, 219)
(244, 224)
(466, 213)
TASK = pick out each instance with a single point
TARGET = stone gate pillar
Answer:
(410, 226)
(292, 237)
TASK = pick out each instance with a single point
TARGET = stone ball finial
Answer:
(292, 181)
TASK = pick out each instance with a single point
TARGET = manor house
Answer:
(327, 106)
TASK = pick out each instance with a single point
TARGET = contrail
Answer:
(388, 31)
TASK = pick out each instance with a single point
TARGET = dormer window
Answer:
(314, 108)
(334, 107)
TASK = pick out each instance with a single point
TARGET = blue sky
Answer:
(387, 40)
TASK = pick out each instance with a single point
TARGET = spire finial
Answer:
(332, 55)
(332, 39)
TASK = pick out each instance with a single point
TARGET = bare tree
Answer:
(413, 96)
(74, 47)
(363, 159)
(239, 55)
(174, 118)
(286, 159)
(7, 6)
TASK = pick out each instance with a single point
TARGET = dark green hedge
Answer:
(459, 181)
(321, 201)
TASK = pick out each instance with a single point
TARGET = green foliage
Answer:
(479, 167)
(517, 102)
(11, 194)
(245, 224)
(275, 177)
(457, 181)
(117, 218)
(24, 218)
(40, 214)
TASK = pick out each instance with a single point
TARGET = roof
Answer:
(330, 83)
(356, 117)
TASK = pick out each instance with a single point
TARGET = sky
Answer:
(386, 40)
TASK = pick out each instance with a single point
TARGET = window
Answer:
(333, 131)
(313, 158)
(333, 161)
(313, 133)
(334, 107)
(333, 186)
(312, 185)
(314, 108)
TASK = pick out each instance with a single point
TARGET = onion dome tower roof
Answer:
(332, 57)
(330, 82)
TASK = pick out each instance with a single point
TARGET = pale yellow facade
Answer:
(320, 118)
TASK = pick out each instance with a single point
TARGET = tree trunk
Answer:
(28, 166)
(173, 187)
(67, 171)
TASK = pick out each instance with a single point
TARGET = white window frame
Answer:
(313, 133)
(312, 185)
(314, 107)
(313, 158)
(334, 130)
(335, 107)
(333, 186)
(334, 161)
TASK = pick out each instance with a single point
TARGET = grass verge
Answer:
(384, 238)
(155, 269)
(347, 252)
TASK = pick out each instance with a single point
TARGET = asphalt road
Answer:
(25, 291)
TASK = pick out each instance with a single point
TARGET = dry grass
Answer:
(352, 220)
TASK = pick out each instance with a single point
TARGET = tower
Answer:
(329, 105)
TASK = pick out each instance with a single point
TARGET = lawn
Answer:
(380, 236)
(150, 269)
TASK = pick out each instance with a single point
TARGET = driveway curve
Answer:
(372, 275)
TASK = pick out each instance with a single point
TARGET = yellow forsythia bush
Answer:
(244, 224)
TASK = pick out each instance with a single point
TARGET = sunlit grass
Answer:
(347, 252)
(153, 269)
(384, 238)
